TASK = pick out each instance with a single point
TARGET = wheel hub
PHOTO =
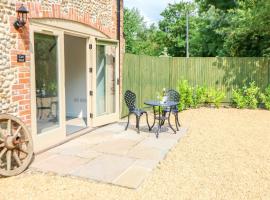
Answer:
(10, 143)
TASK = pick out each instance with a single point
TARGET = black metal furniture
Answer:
(173, 95)
(130, 99)
(159, 116)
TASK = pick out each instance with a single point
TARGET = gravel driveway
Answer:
(225, 155)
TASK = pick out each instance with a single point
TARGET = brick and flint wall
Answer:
(15, 77)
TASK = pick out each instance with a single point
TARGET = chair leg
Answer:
(147, 121)
(178, 120)
(127, 122)
(138, 124)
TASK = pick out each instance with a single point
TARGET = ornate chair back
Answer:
(173, 95)
(130, 99)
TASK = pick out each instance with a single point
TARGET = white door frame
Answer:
(111, 117)
(44, 140)
(60, 28)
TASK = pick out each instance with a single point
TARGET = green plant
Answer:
(251, 95)
(214, 96)
(199, 96)
(265, 97)
(238, 99)
(186, 93)
(247, 96)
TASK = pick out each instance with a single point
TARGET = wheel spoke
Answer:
(17, 132)
(8, 160)
(9, 128)
(22, 150)
(17, 159)
(1, 134)
(23, 141)
(3, 152)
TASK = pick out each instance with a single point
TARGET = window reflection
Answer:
(46, 72)
(106, 80)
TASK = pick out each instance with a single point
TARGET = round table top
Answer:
(161, 103)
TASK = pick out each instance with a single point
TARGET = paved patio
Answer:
(110, 154)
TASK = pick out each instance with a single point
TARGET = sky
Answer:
(150, 9)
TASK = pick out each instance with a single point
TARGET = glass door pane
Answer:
(47, 86)
(106, 80)
(101, 80)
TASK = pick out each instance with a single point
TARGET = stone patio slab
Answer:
(110, 154)
(117, 146)
(132, 177)
(105, 168)
(148, 164)
(163, 144)
(60, 164)
(146, 153)
(95, 138)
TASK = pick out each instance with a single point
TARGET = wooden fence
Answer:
(146, 75)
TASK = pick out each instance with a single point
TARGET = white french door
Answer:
(105, 83)
(47, 83)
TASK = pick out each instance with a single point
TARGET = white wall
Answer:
(75, 76)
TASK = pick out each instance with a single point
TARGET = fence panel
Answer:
(146, 75)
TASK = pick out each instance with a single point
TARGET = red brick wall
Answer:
(21, 87)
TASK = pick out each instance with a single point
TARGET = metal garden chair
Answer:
(130, 99)
(173, 95)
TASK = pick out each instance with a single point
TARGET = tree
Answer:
(141, 39)
(249, 32)
(216, 28)
(209, 38)
(134, 27)
(173, 26)
(224, 5)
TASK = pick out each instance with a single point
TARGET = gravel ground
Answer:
(225, 155)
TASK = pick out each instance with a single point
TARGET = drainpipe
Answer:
(119, 42)
(118, 19)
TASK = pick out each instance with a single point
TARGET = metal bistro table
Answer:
(161, 119)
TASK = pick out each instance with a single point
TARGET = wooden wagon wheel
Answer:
(16, 146)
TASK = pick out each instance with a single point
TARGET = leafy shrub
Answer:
(199, 96)
(194, 96)
(265, 97)
(252, 95)
(246, 97)
(186, 93)
(238, 99)
(214, 96)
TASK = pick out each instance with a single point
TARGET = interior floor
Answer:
(75, 124)
(72, 125)
(75, 84)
